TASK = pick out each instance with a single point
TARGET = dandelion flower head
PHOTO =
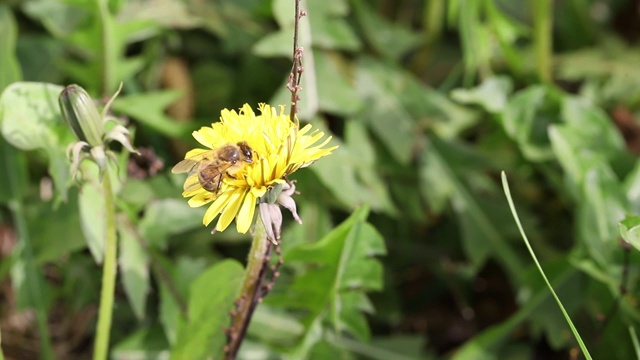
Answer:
(279, 148)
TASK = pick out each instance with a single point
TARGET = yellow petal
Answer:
(216, 207)
(245, 215)
(231, 209)
(202, 198)
(194, 152)
(202, 138)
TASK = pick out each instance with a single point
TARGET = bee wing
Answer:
(189, 164)
(184, 166)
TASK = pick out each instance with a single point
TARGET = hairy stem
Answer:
(250, 294)
(108, 274)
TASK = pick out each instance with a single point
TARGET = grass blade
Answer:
(507, 192)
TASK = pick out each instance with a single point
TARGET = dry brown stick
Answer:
(296, 70)
(253, 290)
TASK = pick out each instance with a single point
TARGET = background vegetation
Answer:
(408, 249)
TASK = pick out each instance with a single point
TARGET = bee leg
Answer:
(219, 184)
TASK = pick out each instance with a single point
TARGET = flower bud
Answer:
(81, 114)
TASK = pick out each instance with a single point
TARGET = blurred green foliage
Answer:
(408, 249)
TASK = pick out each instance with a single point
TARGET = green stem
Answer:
(16, 179)
(108, 274)
(108, 54)
(249, 295)
(542, 22)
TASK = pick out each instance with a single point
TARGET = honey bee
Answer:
(213, 165)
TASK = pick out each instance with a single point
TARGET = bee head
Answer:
(247, 152)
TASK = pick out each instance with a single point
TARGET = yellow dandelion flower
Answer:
(247, 158)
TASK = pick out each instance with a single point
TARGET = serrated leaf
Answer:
(211, 297)
(335, 264)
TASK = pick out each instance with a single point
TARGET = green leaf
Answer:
(631, 188)
(448, 176)
(630, 230)
(60, 18)
(166, 217)
(30, 119)
(340, 268)
(593, 127)
(350, 172)
(175, 276)
(9, 66)
(395, 99)
(48, 223)
(14, 164)
(275, 44)
(397, 347)
(211, 298)
(325, 87)
(526, 119)
(148, 108)
(391, 40)
(148, 343)
(134, 267)
(335, 94)
(272, 326)
(93, 213)
(381, 91)
(30, 115)
(491, 95)
(601, 207)
(634, 339)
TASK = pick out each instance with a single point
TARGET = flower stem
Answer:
(542, 22)
(249, 295)
(108, 53)
(108, 274)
